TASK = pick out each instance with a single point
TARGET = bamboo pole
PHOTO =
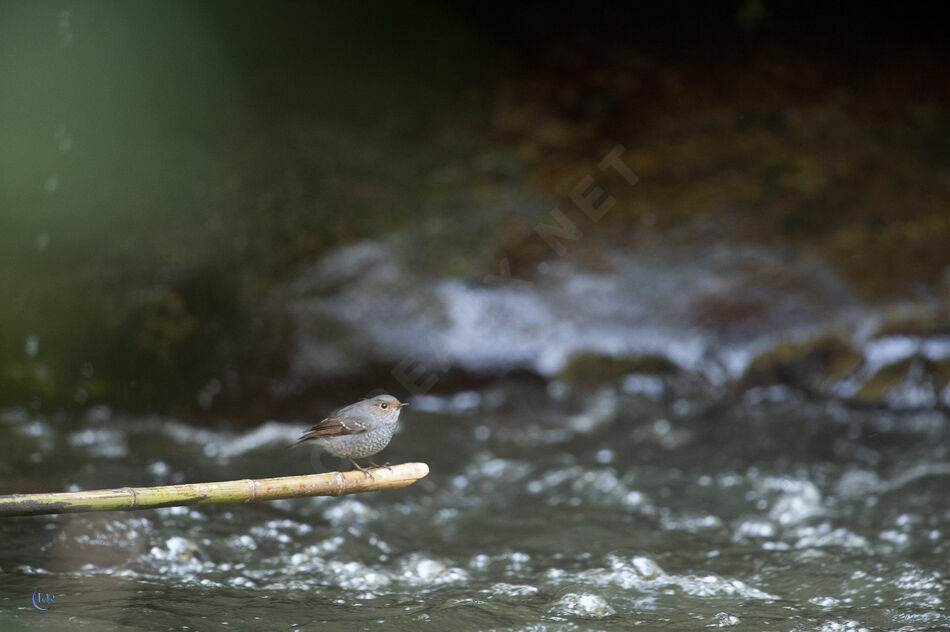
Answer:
(244, 490)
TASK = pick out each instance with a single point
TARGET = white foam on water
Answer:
(362, 304)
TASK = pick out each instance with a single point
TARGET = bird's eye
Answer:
(384, 405)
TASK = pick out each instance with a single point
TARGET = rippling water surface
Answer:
(773, 512)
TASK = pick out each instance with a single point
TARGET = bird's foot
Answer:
(386, 464)
(362, 469)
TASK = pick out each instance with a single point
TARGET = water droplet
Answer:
(42, 241)
(65, 28)
(51, 184)
(207, 394)
(32, 345)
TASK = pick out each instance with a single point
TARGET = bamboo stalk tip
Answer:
(420, 470)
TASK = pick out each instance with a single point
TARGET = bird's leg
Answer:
(386, 465)
(365, 471)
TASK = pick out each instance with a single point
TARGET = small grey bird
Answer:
(357, 431)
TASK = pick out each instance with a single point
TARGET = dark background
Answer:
(168, 168)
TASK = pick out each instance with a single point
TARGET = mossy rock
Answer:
(925, 372)
(811, 363)
(921, 323)
(591, 370)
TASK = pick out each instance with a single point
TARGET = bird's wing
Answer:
(332, 427)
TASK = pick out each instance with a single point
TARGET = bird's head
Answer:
(386, 406)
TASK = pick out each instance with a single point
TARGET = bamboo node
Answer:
(341, 483)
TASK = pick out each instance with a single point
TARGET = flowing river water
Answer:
(543, 511)
(722, 404)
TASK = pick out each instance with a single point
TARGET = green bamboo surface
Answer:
(239, 491)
